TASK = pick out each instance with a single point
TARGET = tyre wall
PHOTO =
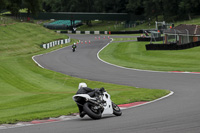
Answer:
(172, 46)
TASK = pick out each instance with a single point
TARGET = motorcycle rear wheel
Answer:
(91, 112)
(116, 110)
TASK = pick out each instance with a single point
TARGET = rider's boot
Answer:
(82, 114)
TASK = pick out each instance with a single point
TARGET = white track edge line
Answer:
(36, 61)
(44, 54)
(136, 69)
(171, 93)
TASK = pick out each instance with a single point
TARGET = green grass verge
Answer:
(6, 20)
(28, 92)
(124, 39)
(134, 55)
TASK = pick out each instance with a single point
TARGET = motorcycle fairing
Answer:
(108, 109)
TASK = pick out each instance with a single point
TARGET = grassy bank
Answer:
(28, 92)
(134, 55)
(102, 26)
(124, 39)
(119, 26)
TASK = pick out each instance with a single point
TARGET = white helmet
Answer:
(82, 85)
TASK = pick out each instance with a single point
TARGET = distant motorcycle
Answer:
(74, 47)
(97, 106)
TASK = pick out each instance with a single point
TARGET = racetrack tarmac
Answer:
(179, 113)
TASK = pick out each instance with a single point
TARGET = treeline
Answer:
(170, 10)
(32, 6)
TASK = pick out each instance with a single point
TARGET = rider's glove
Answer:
(102, 90)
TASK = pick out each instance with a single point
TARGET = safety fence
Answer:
(55, 43)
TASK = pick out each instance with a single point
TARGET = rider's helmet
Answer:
(82, 85)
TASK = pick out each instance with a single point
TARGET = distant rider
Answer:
(74, 46)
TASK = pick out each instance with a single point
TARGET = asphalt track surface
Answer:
(179, 113)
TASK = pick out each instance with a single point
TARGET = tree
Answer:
(54, 5)
(115, 6)
(14, 6)
(171, 9)
(187, 7)
(81, 5)
(99, 6)
(2, 5)
(153, 8)
(136, 7)
(33, 6)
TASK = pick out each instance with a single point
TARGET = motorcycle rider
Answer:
(83, 89)
(74, 46)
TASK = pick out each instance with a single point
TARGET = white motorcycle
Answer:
(96, 107)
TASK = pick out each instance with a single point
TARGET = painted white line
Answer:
(121, 66)
(33, 58)
(134, 68)
(36, 61)
(171, 93)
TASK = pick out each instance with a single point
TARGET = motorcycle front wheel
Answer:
(116, 110)
(90, 110)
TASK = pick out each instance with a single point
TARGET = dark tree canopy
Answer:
(170, 10)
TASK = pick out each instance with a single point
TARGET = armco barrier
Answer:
(55, 43)
(78, 32)
(87, 32)
(96, 32)
(172, 46)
